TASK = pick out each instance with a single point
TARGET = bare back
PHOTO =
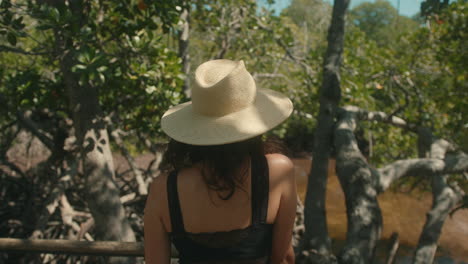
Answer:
(204, 211)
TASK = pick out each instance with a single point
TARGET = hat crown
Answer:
(222, 87)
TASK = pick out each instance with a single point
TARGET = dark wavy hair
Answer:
(222, 162)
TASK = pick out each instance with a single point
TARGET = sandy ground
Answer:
(402, 213)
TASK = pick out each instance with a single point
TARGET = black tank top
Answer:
(251, 245)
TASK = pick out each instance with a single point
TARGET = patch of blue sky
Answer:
(406, 7)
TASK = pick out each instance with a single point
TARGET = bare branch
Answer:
(232, 25)
(445, 198)
(381, 117)
(439, 147)
(25, 121)
(68, 213)
(12, 167)
(4, 48)
(84, 228)
(268, 75)
(287, 50)
(427, 166)
(439, 162)
(225, 45)
(362, 184)
(405, 92)
(394, 244)
(142, 187)
(53, 199)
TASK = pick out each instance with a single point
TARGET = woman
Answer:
(225, 201)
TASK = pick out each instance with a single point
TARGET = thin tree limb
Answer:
(394, 244)
(4, 48)
(26, 122)
(425, 166)
(380, 117)
(142, 187)
(52, 203)
(288, 53)
(12, 167)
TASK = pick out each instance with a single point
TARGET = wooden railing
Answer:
(74, 247)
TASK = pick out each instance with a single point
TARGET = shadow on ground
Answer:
(402, 213)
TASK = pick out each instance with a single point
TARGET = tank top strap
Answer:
(175, 212)
(260, 184)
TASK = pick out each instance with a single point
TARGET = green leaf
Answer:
(78, 67)
(54, 14)
(44, 27)
(18, 23)
(7, 17)
(11, 38)
(102, 68)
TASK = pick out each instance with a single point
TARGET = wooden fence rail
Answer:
(74, 247)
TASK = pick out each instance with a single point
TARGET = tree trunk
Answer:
(102, 193)
(444, 199)
(316, 236)
(103, 196)
(362, 184)
(184, 34)
(362, 208)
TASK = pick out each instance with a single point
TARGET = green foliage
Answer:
(315, 15)
(401, 77)
(369, 77)
(239, 30)
(381, 21)
(429, 7)
(421, 78)
(128, 52)
(115, 47)
(447, 37)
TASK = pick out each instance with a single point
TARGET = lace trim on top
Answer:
(262, 260)
(221, 239)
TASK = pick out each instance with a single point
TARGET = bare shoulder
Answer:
(281, 168)
(279, 162)
(157, 196)
(159, 184)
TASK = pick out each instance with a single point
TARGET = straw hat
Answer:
(226, 107)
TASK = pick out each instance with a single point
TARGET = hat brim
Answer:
(270, 109)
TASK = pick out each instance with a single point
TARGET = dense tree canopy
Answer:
(117, 48)
(381, 21)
